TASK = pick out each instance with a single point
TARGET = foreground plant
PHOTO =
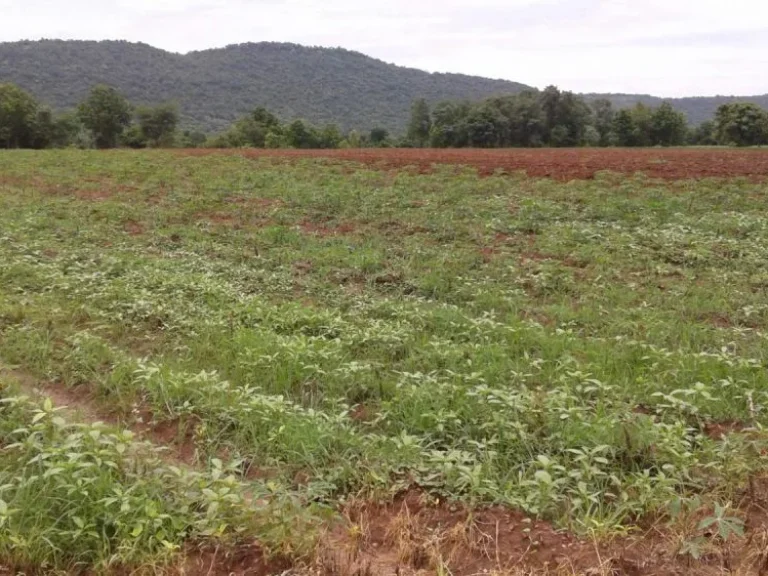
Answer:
(84, 496)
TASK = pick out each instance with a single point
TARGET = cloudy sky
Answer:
(663, 47)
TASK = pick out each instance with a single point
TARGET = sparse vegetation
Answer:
(315, 341)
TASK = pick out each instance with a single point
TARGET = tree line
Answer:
(558, 119)
(105, 119)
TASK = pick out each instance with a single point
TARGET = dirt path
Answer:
(80, 405)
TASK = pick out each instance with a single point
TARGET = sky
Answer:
(661, 47)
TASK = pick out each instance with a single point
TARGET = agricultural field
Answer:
(378, 363)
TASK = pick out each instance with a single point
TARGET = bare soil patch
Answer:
(560, 164)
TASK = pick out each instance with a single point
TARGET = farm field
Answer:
(559, 164)
(263, 363)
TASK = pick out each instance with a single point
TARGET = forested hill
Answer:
(215, 87)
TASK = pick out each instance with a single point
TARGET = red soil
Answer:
(562, 164)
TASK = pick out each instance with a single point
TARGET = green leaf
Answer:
(543, 476)
(53, 472)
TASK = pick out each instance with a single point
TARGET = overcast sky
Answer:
(663, 47)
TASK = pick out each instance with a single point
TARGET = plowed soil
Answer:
(561, 164)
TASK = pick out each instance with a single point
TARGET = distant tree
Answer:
(420, 123)
(449, 125)
(741, 124)
(301, 135)
(106, 114)
(378, 137)
(133, 137)
(158, 124)
(624, 128)
(603, 114)
(592, 137)
(549, 101)
(192, 139)
(353, 139)
(275, 140)
(486, 126)
(18, 118)
(526, 122)
(668, 126)
(265, 118)
(251, 131)
(642, 116)
(65, 130)
(329, 137)
(703, 134)
(566, 117)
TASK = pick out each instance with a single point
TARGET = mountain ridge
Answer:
(214, 87)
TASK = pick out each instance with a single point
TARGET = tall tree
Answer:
(668, 126)
(378, 137)
(329, 137)
(642, 116)
(703, 134)
(18, 118)
(624, 128)
(741, 124)
(449, 125)
(106, 114)
(604, 113)
(486, 126)
(301, 135)
(158, 124)
(420, 123)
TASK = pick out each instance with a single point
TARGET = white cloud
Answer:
(665, 47)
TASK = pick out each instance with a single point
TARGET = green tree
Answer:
(420, 124)
(642, 116)
(525, 118)
(65, 130)
(566, 117)
(741, 124)
(19, 126)
(668, 126)
(354, 140)
(329, 137)
(486, 126)
(265, 118)
(449, 125)
(301, 135)
(192, 139)
(603, 114)
(158, 124)
(703, 134)
(133, 137)
(592, 137)
(275, 140)
(378, 137)
(106, 114)
(624, 128)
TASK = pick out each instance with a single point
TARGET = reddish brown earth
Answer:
(562, 163)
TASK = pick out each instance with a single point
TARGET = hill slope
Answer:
(214, 87)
